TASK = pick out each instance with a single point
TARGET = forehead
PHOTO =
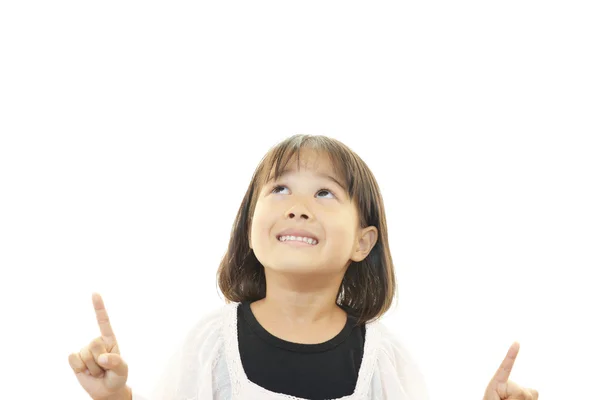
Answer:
(306, 160)
(310, 160)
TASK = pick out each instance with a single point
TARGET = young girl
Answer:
(307, 274)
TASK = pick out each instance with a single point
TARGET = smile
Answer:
(298, 239)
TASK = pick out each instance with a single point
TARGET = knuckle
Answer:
(96, 344)
(102, 317)
(75, 362)
(97, 373)
(85, 354)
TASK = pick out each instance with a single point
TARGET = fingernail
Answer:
(87, 372)
(103, 359)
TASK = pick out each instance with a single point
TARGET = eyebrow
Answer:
(326, 176)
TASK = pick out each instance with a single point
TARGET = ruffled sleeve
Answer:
(398, 376)
(189, 371)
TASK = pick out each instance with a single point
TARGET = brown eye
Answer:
(325, 191)
(277, 189)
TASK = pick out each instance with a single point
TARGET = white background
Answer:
(130, 130)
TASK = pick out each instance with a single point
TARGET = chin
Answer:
(299, 269)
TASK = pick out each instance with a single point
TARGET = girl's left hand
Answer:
(500, 388)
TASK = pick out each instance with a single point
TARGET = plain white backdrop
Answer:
(129, 131)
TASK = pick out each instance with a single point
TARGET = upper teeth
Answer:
(298, 238)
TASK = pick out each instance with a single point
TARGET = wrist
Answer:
(123, 394)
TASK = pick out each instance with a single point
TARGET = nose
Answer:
(301, 216)
(299, 211)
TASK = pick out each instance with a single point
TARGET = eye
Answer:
(325, 191)
(277, 189)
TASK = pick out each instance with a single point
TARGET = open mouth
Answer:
(298, 240)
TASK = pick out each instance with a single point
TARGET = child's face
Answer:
(306, 200)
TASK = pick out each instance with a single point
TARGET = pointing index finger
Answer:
(507, 364)
(103, 321)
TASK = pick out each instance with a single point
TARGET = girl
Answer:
(307, 275)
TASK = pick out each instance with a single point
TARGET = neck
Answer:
(300, 300)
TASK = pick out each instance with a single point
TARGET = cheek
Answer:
(342, 230)
(260, 222)
(342, 234)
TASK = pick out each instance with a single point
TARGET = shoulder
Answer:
(207, 330)
(392, 346)
(394, 359)
(196, 358)
(395, 349)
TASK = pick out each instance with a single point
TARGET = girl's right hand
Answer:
(101, 381)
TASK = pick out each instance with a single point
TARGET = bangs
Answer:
(344, 163)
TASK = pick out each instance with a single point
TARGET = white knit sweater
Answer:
(208, 366)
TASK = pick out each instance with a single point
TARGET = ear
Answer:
(367, 237)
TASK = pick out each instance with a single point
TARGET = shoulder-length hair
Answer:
(368, 287)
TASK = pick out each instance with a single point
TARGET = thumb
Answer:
(113, 362)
